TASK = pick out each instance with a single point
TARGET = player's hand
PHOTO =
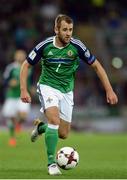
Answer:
(111, 97)
(25, 97)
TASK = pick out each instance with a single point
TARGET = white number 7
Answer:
(58, 67)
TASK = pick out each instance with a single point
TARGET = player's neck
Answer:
(59, 43)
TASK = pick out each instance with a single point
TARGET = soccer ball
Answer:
(67, 158)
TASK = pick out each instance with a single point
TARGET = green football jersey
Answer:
(12, 71)
(59, 64)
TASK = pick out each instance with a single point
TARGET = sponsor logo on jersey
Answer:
(32, 55)
(70, 53)
(87, 53)
(50, 53)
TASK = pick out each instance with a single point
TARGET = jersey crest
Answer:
(70, 53)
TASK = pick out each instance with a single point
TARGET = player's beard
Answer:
(63, 41)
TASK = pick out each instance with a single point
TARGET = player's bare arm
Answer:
(25, 96)
(110, 94)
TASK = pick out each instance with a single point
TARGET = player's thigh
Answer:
(52, 114)
(49, 99)
(66, 107)
(64, 129)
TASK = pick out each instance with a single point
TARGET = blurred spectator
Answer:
(48, 11)
(26, 34)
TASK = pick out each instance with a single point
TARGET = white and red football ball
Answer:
(67, 158)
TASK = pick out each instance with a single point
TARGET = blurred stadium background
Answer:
(102, 25)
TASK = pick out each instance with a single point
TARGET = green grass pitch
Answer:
(101, 157)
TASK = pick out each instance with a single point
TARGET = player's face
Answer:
(64, 33)
(20, 56)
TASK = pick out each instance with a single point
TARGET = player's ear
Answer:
(56, 30)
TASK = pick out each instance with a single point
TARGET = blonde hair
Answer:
(62, 17)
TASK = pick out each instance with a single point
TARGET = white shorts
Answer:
(12, 106)
(49, 97)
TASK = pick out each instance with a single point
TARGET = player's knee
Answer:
(54, 120)
(63, 135)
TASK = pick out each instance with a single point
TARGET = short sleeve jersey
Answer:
(59, 64)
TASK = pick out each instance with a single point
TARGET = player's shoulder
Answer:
(10, 66)
(48, 39)
(75, 39)
(45, 42)
(77, 42)
(8, 69)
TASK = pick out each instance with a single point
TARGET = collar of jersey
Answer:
(54, 40)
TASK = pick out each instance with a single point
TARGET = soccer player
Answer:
(14, 110)
(59, 56)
